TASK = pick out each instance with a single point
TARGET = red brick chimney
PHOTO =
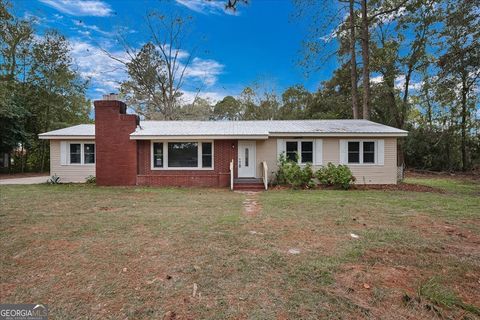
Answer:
(116, 154)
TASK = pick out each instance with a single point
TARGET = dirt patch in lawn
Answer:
(399, 187)
(388, 281)
(384, 187)
(472, 175)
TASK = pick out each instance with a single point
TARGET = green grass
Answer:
(440, 295)
(461, 186)
(98, 252)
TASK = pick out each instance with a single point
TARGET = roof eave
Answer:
(197, 137)
(65, 137)
(339, 134)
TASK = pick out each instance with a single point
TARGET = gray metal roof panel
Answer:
(240, 128)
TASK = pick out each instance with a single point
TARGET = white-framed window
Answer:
(303, 149)
(361, 152)
(81, 153)
(182, 155)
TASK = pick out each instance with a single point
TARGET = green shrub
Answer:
(339, 176)
(90, 179)
(294, 175)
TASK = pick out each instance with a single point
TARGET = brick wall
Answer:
(116, 154)
(224, 152)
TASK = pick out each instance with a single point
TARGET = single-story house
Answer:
(119, 149)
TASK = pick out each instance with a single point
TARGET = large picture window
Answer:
(361, 152)
(81, 153)
(182, 155)
(300, 151)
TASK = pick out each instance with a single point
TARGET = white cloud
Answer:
(399, 82)
(387, 18)
(95, 8)
(205, 70)
(37, 19)
(94, 64)
(105, 73)
(376, 79)
(207, 7)
(412, 85)
(212, 96)
(92, 27)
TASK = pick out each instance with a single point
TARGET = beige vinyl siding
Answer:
(267, 151)
(368, 174)
(68, 173)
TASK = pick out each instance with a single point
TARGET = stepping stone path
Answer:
(250, 204)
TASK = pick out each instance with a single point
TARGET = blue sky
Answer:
(261, 43)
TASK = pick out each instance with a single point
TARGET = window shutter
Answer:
(280, 147)
(380, 152)
(343, 152)
(63, 153)
(318, 151)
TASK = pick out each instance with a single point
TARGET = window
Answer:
(89, 153)
(206, 154)
(158, 155)
(353, 152)
(361, 152)
(75, 153)
(80, 153)
(299, 151)
(246, 157)
(292, 149)
(182, 155)
(307, 152)
(368, 152)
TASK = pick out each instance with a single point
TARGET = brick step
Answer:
(248, 186)
(247, 180)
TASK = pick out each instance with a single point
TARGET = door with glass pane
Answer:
(246, 159)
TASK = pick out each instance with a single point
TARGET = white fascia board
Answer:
(202, 137)
(336, 134)
(47, 137)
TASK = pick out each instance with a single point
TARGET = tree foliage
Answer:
(422, 58)
(39, 90)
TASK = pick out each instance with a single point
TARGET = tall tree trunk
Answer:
(353, 63)
(44, 143)
(43, 157)
(366, 62)
(464, 124)
(23, 155)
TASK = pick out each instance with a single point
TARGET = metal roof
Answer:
(79, 131)
(240, 129)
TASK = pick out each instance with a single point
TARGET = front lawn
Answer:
(141, 253)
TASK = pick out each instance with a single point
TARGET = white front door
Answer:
(246, 159)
